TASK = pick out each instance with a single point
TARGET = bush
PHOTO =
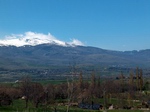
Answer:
(5, 99)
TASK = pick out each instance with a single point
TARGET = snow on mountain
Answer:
(33, 39)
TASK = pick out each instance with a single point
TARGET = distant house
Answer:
(18, 81)
(111, 107)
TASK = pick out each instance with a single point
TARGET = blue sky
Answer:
(108, 24)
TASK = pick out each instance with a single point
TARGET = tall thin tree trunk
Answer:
(26, 103)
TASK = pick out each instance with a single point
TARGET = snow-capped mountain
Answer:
(46, 55)
(46, 50)
(33, 39)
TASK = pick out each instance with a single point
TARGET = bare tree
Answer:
(98, 88)
(26, 88)
(131, 91)
(141, 79)
(52, 93)
(80, 83)
(92, 84)
(122, 82)
(131, 80)
(137, 78)
(37, 93)
(71, 85)
(14, 93)
(70, 92)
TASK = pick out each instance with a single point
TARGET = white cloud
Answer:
(32, 38)
(76, 42)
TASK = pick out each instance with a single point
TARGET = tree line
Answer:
(79, 91)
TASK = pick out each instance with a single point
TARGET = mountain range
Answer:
(45, 55)
(36, 50)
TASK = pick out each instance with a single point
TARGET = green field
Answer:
(19, 106)
(45, 82)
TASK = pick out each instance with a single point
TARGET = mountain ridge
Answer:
(45, 55)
